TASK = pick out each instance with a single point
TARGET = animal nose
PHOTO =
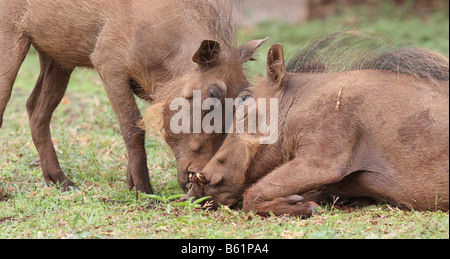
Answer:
(194, 190)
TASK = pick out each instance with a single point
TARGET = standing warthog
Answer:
(380, 130)
(155, 49)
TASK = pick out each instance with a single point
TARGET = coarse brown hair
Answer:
(360, 50)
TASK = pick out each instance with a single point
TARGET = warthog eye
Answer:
(217, 90)
(213, 93)
(245, 97)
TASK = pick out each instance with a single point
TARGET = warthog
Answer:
(155, 49)
(379, 129)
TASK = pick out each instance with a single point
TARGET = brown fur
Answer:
(363, 133)
(147, 48)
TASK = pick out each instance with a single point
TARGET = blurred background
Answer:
(301, 11)
(420, 23)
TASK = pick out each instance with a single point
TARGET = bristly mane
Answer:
(357, 50)
(217, 15)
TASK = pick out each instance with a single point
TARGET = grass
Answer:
(400, 25)
(92, 153)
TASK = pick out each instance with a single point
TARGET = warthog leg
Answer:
(13, 49)
(121, 96)
(322, 162)
(46, 96)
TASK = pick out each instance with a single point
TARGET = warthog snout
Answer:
(196, 186)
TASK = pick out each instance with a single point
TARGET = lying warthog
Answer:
(379, 130)
(155, 49)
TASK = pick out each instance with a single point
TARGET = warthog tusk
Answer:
(201, 177)
(193, 177)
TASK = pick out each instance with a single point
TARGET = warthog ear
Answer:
(276, 68)
(248, 49)
(208, 54)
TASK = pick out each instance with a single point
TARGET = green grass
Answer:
(92, 153)
(400, 25)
